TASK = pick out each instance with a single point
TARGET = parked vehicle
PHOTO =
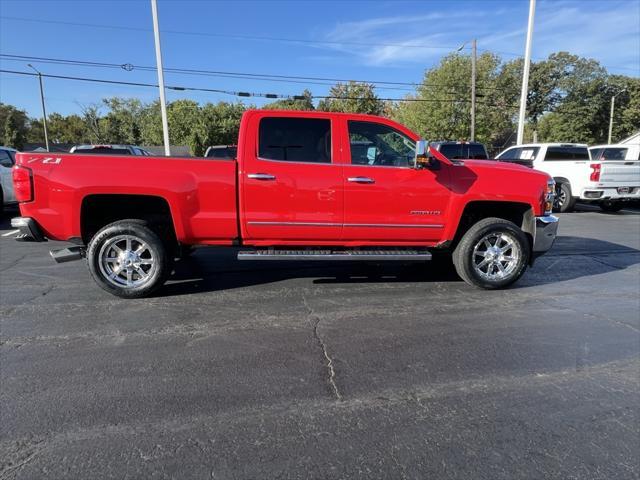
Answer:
(577, 177)
(109, 150)
(222, 151)
(295, 192)
(615, 152)
(462, 150)
(7, 160)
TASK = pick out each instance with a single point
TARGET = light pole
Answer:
(163, 102)
(44, 112)
(474, 58)
(525, 73)
(613, 102)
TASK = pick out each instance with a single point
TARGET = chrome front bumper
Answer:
(545, 233)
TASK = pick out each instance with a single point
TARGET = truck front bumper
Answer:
(29, 230)
(545, 234)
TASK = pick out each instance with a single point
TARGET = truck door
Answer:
(291, 187)
(385, 198)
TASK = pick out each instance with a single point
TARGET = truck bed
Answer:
(200, 193)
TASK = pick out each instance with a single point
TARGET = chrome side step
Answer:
(69, 254)
(349, 255)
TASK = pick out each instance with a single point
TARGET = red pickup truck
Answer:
(304, 186)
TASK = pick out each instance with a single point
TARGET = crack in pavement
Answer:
(328, 360)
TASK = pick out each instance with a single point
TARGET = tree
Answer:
(121, 124)
(352, 97)
(305, 103)
(441, 107)
(14, 125)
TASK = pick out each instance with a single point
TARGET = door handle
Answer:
(360, 180)
(261, 176)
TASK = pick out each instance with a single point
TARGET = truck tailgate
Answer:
(620, 174)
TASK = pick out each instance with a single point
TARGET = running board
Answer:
(350, 255)
(69, 254)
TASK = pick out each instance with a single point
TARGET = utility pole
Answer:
(44, 111)
(613, 102)
(525, 73)
(163, 102)
(474, 58)
(474, 55)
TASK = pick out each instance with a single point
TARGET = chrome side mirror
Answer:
(421, 159)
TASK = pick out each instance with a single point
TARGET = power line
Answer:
(240, 75)
(242, 94)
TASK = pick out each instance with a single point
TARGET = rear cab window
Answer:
(292, 139)
(566, 153)
(609, 153)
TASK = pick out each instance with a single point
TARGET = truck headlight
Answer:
(549, 197)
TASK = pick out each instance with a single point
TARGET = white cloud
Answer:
(608, 31)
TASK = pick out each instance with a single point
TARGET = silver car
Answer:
(7, 160)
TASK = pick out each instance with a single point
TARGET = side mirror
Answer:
(422, 159)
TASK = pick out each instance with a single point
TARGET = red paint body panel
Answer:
(304, 204)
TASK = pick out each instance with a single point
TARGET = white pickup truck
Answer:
(609, 183)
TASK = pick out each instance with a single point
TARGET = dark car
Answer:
(222, 151)
(110, 150)
(461, 150)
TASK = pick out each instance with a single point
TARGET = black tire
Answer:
(564, 201)
(470, 250)
(107, 270)
(611, 206)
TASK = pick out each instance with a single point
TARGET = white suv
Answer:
(607, 183)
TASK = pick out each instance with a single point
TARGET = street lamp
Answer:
(474, 55)
(44, 112)
(613, 102)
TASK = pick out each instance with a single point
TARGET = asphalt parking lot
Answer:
(238, 370)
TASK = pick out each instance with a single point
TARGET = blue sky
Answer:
(390, 41)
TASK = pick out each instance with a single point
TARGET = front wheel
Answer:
(564, 201)
(611, 206)
(493, 253)
(128, 259)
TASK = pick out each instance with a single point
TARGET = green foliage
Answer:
(14, 125)
(352, 97)
(441, 108)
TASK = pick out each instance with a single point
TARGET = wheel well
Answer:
(519, 213)
(100, 210)
(560, 180)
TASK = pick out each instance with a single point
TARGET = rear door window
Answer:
(295, 139)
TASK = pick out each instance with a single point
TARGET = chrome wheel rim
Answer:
(496, 256)
(127, 261)
(561, 197)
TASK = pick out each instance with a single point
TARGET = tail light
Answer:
(22, 184)
(595, 172)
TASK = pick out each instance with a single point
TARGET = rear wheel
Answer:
(563, 201)
(493, 253)
(128, 259)
(611, 206)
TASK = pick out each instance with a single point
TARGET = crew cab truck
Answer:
(578, 176)
(297, 191)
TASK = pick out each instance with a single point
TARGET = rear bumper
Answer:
(29, 230)
(594, 194)
(545, 233)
